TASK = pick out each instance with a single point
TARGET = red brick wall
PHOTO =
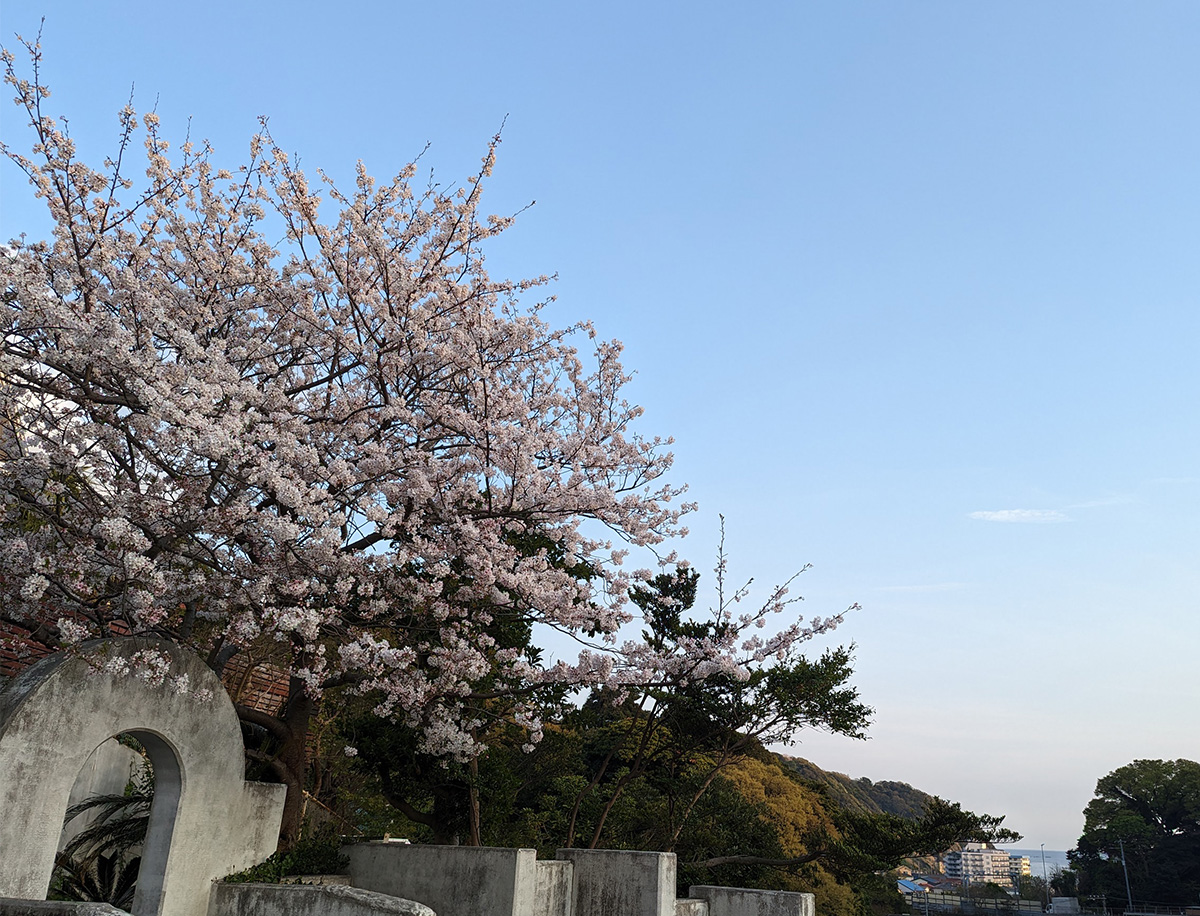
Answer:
(262, 686)
(17, 651)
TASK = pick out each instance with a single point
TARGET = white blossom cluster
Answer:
(153, 667)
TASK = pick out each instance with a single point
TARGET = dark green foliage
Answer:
(867, 843)
(890, 839)
(648, 769)
(119, 826)
(318, 852)
(869, 839)
(529, 797)
(725, 823)
(683, 733)
(1033, 887)
(1064, 882)
(102, 879)
(433, 796)
(877, 894)
(988, 890)
(619, 769)
(1152, 808)
(773, 703)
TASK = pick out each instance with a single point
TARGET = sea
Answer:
(1055, 859)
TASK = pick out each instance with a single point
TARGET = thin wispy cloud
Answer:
(1026, 516)
(933, 587)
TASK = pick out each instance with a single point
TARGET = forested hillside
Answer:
(862, 795)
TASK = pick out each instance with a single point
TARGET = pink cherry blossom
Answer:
(250, 411)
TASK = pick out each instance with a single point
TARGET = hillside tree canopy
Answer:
(1147, 813)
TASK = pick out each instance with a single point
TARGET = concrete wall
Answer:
(307, 900)
(552, 892)
(11, 906)
(738, 901)
(607, 882)
(206, 821)
(453, 880)
(474, 881)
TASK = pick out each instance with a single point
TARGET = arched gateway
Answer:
(206, 820)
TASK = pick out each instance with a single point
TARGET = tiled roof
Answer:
(259, 685)
(17, 652)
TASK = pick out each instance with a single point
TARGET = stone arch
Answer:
(206, 820)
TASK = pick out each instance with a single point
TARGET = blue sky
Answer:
(913, 285)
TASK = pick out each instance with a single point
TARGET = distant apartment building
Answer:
(978, 863)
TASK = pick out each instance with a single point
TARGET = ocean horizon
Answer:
(1055, 859)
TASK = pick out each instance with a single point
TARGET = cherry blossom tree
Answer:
(351, 448)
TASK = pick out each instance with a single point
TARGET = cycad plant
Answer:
(104, 879)
(100, 864)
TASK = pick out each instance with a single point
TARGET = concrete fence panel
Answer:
(740, 901)
(307, 900)
(610, 882)
(453, 880)
(552, 892)
(11, 906)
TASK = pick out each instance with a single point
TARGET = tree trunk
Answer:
(293, 756)
(687, 811)
(473, 802)
(636, 767)
(582, 792)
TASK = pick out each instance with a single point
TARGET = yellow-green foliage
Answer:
(796, 813)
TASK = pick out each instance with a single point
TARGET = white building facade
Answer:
(979, 863)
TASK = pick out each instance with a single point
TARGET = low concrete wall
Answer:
(740, 901)
(307, 900)
(11, 906)
(552, 890)
(610, 882)
(453, 880)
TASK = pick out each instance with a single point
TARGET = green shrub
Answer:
(317, 854)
